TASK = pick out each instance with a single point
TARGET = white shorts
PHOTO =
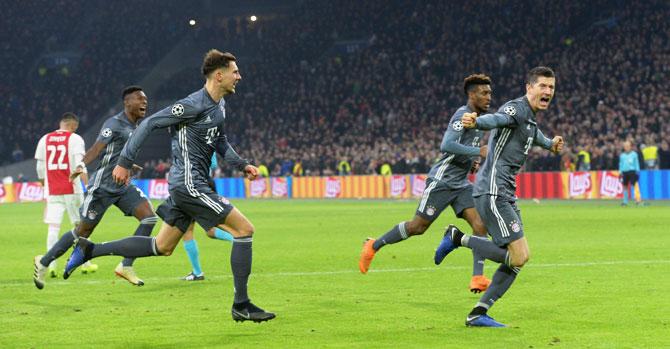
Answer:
(57, 205)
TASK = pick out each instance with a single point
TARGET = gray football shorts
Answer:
(437, 196)
(98, 200)
(200, 204)
(501, 217)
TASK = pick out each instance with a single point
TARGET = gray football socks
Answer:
(130, 247)
(501, 282)
(144, 229)
(396, 234)
(63, 244)
(240, 263)
(477, 263)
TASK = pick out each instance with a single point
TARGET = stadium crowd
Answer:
(309, 106)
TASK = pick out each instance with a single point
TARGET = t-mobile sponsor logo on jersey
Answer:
(31, 191)
(398, 185)
(580, 183)
(158, 189)
(257, 187)
(333, 187)
(610, 186)
(418, 185)
(279, 187)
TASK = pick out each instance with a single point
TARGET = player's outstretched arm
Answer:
(450, 141)
(231, 157)
(487, 121)
(172, 115)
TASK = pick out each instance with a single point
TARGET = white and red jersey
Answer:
(58, 153)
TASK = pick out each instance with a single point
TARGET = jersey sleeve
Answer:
(509, 115)
(41, 151)
(542, 140)
(76, 149)
(182, 111)
(451, 139)
(229, 154)
(106, 132)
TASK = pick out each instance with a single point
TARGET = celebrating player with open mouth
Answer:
(514, 132)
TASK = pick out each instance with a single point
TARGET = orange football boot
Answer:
(367, 254)
(479, 283)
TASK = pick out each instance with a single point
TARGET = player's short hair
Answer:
(536, 72)
(215, 59)
(69, 117)
(474, 80)
(130, 89)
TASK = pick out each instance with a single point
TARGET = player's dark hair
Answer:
(130, 89)
(536, 72)
(215, 59)
(69, 116)
(474, 80)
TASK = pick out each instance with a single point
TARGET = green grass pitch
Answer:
(598, 277)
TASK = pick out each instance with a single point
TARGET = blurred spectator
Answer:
(389, 97)
(17, 153)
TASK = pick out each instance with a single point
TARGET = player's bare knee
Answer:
(416, 228)
(164, 249)
(479, 229)
(519, 260)
(211, 233)
(84, 230)
(246, 229)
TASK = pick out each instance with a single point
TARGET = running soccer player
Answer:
(197, 126)
(629, 167)
(447, 183)
(57, 154)
(103, 191)
(514, 132)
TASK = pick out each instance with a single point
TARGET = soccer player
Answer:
(629, 167)
(447, 183)
(197, 125)
(103, 191)
(57, 155)
(514, 132)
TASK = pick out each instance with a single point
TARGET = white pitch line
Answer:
(77, 281)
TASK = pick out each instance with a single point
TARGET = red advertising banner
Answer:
(399, 186)
(158, 189)
(418, 185)
(610, 185)
(591, 185)
(279, 187)
(258, 188)
(29, 191)
(333, 187)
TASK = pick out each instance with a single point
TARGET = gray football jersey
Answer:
(515, 133)
(114, 133)
(460, 147)
(197, 127)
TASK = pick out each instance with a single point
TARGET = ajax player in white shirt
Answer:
(58, 154)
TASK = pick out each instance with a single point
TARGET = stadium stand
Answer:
(371, 83)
